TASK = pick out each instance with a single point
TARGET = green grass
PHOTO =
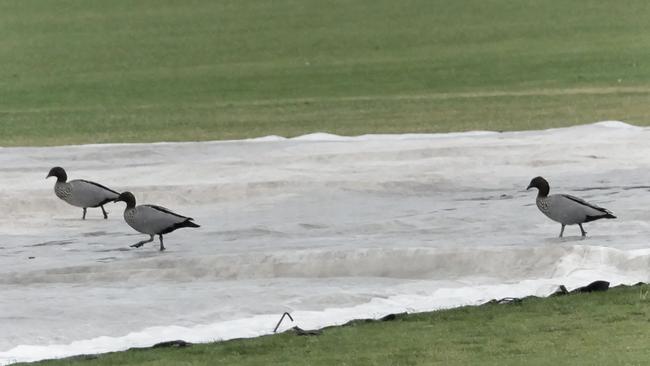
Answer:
(86, 71)
(608, 328)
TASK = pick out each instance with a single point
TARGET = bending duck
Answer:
(152, 219)
(566, 209)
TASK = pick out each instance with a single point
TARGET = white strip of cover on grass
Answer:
(329, 228)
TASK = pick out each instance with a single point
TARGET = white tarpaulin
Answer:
(328, 228)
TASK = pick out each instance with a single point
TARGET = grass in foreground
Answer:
(86, 71)
(609, 328)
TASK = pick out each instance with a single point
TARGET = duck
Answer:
(81, 193)
(152, 219)
(566, 209)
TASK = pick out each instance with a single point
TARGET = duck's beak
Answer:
(529, 187)
(48, 175)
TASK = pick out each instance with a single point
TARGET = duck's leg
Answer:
(562, 231)
(83, 217)
(584, 233)
(104, 212)
(141, 243)
(162, 247)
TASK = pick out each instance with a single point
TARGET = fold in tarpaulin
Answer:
(328, 228)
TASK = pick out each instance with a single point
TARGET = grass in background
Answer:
(87, 71)
(609, 328)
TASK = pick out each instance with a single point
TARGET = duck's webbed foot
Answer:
(141, 243)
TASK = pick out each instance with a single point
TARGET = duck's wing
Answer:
(586, 204)
(152, 219)
(90, 194)
(592, 212)
(168, 211)
(99, 186)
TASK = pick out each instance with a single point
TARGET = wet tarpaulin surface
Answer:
(328, 228)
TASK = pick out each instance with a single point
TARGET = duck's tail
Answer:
(189, 223)
(607, 215)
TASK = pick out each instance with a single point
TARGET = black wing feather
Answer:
(99, 185)
(168, 211)
(186, 223)
(607, 214)
(585, 203)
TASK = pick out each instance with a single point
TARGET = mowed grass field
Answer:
(93, 71)
(96, 71)
(609, 328)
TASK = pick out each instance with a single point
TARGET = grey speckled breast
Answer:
(63, 190)
(543, 204)
(129, 217)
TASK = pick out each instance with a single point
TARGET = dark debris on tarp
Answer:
(315, 332)
(302, 332)
(175, 344)
(596, 286)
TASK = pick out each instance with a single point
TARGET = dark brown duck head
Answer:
(59, 173)
(541, 184)
(126, 197)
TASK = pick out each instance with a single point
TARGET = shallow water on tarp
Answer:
(329, 228)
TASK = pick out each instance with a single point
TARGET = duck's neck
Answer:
(542, 195)
(61, 177)
(542, 192)
(61, 189)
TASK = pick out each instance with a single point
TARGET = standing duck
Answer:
(81, 193)
(152, 219)
(566, 209)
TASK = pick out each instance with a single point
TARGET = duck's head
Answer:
(59, 173)
(127, 197)
(541, 184)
